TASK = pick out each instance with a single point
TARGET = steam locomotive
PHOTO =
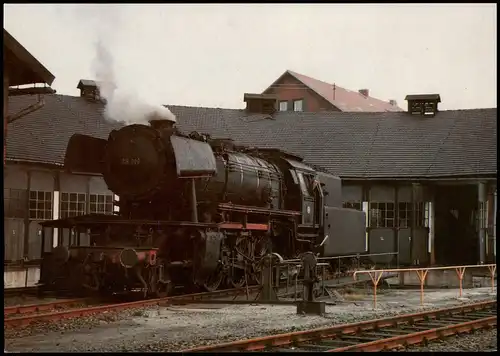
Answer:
(196, 211)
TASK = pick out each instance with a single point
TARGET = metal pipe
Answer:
(194, 203)
(28, 110)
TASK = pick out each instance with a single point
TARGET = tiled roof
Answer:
(344, 99)
(356, 145)
(28, 69)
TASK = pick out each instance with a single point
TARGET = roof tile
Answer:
(356, 145)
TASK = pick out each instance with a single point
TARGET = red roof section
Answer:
(344, 99)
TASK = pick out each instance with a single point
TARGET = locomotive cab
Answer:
(306, 194)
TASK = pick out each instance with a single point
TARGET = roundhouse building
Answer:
(425, 177)
(20, 69)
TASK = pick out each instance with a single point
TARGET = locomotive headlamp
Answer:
(128, 258)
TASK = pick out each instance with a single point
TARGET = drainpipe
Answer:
(9, 119)
(32, 108)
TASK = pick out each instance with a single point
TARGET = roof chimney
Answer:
(261, 103)
(88, 89)
(393, 102)
(364, 92)
(423, 104)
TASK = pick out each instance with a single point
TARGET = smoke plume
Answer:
(122, 105)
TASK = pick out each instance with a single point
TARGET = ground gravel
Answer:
(179, 327)
(480, 341)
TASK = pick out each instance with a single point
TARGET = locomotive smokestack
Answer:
(161, 124)
(122, 105)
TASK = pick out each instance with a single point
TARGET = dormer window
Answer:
(298, 105)
(423, 104)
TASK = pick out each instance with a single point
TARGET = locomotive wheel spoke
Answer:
(238, 278)
(214, 281)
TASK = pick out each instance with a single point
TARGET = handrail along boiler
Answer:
(193, 211)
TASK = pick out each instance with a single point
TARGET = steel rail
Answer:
(72, 313)
(372, 335)
(35, 308)
(17, 291)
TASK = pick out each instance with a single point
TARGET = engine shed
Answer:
(426, 178)
(20, 68)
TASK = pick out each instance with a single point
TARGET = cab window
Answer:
(305, 182)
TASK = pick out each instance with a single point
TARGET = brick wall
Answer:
(289, 89)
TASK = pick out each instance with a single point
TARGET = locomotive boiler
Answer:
(196, 211)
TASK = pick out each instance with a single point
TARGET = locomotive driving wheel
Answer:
(214, 280)
(237, 269)
(262, 248)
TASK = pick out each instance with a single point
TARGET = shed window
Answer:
(421, 218)
(101, 203)
(14, 203)
(381, 214)
(405, 212)
(357, 205)
(298, 105)
(73, 204)
(283, 105)
(482, 216)
(40, 205)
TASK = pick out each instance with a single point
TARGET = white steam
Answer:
(122, 105)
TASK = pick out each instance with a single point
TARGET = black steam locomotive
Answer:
(194, 210)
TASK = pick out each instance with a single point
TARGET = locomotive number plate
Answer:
(130, 161)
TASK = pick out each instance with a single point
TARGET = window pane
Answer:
(283, 105)
(297, 105)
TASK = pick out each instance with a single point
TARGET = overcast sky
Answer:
(209, 55)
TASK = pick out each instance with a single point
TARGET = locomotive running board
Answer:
(257, 210)
(238, 226)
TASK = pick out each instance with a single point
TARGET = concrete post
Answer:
(429, 217)
(367, 221)
(55, 216)
(482, 198)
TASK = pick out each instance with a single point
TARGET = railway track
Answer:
(22, 315)
(14, 292)
(36, 308)
(12, 317)
(373, 335)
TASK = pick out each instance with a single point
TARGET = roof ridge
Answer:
(318, 80)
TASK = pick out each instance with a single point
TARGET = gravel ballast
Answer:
(179, 327)
(482, 340)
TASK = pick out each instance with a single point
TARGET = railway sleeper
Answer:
(396, 332)
(381, 334)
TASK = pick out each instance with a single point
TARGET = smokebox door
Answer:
(193, 158)
(84, 154)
